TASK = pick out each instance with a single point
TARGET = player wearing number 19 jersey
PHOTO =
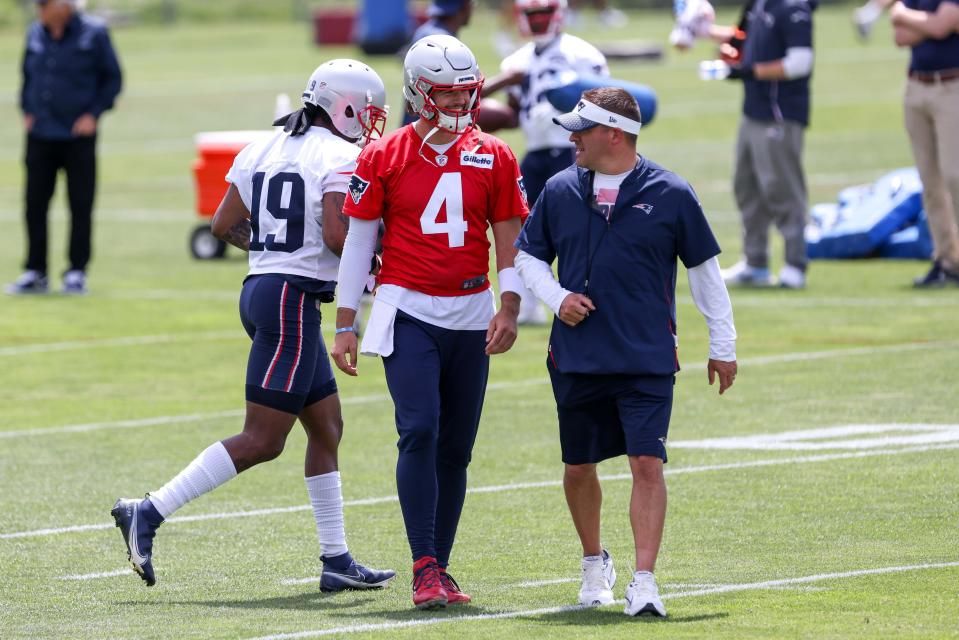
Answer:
(438, 185)
(284, 206)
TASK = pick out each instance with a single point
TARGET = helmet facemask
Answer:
(540, 20)
(450, 119)
(373, 120)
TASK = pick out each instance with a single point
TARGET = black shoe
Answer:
(932, 279)
(138, 531)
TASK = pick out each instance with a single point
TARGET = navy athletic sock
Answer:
(451, 480)
(416, 487)
(341, 562)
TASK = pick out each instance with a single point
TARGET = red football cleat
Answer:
(428, 591)
(453, 593)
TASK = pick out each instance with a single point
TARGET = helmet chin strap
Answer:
(436, 128)
(423, 144)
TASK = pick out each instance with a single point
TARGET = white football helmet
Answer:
(352, 95)
(541, 20)
(442, 63)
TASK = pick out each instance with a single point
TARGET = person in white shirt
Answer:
(285, 207)
(548, 60)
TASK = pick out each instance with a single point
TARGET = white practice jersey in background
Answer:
(282, 181)
(545, 70)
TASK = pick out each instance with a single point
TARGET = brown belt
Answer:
(935, 77)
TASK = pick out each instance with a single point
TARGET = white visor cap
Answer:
(586, 115)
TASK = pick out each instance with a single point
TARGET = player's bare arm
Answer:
(501, 333)
(345, 345)
(726, 372)
(335, 222)
(936, 25)
(505, 79)
(231, 223)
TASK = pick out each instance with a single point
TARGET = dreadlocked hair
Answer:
(298, 122)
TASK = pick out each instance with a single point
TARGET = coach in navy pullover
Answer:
(617, 223)
(625, 264)
(71, 76)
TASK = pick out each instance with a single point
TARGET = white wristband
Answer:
(509, 280)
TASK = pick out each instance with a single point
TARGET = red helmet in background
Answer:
(540, 19)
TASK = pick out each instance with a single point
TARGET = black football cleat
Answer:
(138, 530)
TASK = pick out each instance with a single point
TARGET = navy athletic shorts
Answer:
(288, 368)
(604, 416)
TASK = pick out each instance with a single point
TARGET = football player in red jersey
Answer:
(438, 185)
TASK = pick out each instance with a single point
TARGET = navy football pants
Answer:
(437, 378)
(541, 165)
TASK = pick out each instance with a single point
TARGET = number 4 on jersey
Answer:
(449, 190)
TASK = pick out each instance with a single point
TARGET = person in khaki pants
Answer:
(932, 121)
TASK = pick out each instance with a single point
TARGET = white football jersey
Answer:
(282, 181)
(544, 70)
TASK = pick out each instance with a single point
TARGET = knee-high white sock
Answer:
(327, 500)
(208, 471)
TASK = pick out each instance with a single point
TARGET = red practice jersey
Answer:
(437, 215)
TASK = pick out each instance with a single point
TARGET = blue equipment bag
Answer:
(383, 26)
(866, 217)
(572, 85)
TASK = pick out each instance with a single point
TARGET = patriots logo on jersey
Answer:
(645, 208)
(358, 187)
(522, 189)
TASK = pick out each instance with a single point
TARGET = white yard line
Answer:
(129, 341)
(96, 576)
(493, 386)
(519, 486)
(829, 438)
(124, 424)
(748, 586)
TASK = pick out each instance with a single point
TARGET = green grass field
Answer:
(843, 533)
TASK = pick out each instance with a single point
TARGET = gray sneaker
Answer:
(31, 282)
(743, 275)
(74, 283)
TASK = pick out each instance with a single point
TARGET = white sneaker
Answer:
(791, 278)
(30, 282)
(744, 275)
(608, 569)
(531, 312)
(74, 283)
(595, 590)
(642, 596)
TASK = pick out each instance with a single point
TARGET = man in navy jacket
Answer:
(617, 222)
(70, 77)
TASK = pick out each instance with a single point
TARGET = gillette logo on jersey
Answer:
(483, 161)
(436, 215)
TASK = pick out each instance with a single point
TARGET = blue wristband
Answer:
(345, 329)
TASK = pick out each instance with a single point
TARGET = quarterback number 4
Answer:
(449, 190)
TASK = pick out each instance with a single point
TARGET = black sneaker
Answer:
(355, 576)
(31, 282)
(932, 279)
(138, 530)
